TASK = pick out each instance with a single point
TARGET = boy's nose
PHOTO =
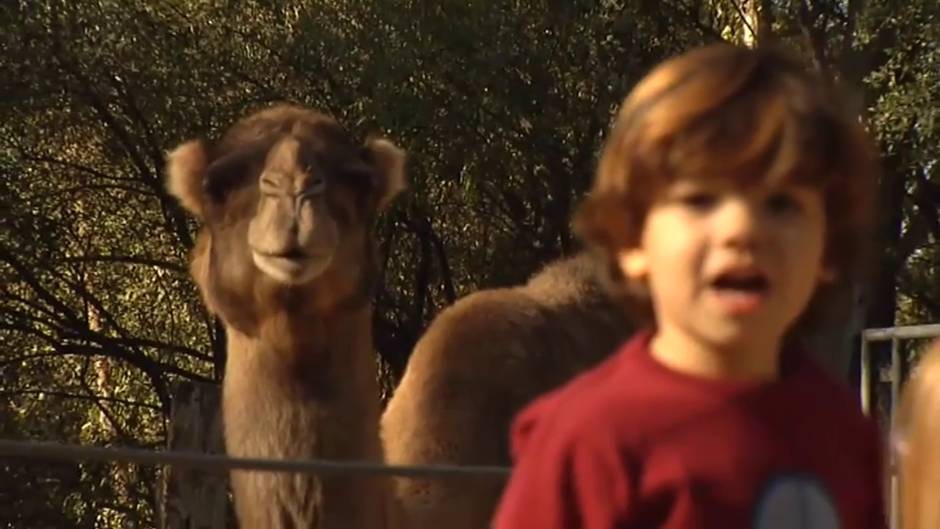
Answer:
(738, 224)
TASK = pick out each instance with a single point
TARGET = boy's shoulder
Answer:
(593, 402)
(629, 397)
(828, 396)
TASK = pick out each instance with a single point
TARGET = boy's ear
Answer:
(826, 275)
(633, 264)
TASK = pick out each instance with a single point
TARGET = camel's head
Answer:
(287, 199)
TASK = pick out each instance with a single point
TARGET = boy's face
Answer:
(730, 267)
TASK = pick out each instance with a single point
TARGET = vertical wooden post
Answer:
(193, 499)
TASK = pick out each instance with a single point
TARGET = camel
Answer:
(479, 362)
(285, 258)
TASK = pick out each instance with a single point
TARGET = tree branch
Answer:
(74, 166)
(128, 259)
(134, 113)
(74, 396)
(928, 209)
(112, 420)
(744, 19)
(446, 275)
(815, 37)
(853, 8)
(152, 368)
(56, 322)
(32, 281)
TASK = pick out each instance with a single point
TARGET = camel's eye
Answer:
(224, 176)
(357, 178)
(232, 170)
(316, 186)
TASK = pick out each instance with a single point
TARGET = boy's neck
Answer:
(687, 354)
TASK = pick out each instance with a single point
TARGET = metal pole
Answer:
(50, 451)
(903, 332)
(865, 382)
(895, 374)
(895, 393)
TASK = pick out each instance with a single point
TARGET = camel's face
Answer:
(295, 230)
(287, 200)
(285, 209)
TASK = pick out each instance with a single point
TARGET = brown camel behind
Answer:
(285, 258)
(479, 362)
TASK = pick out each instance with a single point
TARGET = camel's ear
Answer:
(389, 163)
(185, 171)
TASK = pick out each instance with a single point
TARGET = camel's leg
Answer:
(442, 422)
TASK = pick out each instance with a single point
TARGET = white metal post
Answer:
(865, 382)
(892, 454)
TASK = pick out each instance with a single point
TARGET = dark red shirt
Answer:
(634, 444)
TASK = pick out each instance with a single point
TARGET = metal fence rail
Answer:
(48, 451)
(895, 335)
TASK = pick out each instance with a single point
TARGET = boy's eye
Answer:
(782, 203)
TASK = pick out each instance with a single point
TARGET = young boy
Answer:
(731, 193)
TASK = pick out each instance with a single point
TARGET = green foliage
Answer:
(502, 109)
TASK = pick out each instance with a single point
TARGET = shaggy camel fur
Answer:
(479, 362)
(285, 258)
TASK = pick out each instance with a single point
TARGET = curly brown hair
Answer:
(752, 115)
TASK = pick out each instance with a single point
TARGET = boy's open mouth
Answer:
(748, 282)
(741, 292)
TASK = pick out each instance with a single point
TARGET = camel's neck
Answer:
(301, 390)
(325, 358)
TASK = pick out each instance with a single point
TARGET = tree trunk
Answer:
(882, 306)
(193, 499)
